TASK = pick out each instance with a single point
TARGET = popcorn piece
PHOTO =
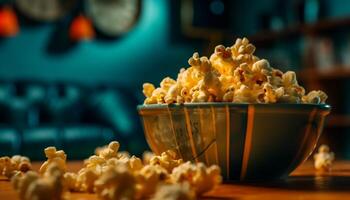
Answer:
(86, 179)
(323, 158)
(201, 178)
(94, 162)
(148, 89)
(146, 157)
(168, 160)
(8, 167)
(116, 183)
(54, 156)
(148, 179)
(251, 79)
(315, 97)
(21, 183)
(22, 163)
(70, 181)
(111, 151)
(175, 192)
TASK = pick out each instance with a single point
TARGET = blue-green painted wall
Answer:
(145, 53)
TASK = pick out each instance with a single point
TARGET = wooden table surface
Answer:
(304, 183)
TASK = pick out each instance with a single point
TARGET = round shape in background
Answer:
(247, 141)
(113, 17)
(45, 10)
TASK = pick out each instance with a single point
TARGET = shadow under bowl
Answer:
(247, 141)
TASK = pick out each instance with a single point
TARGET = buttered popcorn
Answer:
(113, 175)
(323, 158)
(231, 74)
(32, 186)
(54, 156)
(201, 178)
(175, 192)
(10, 166)
(168, 160)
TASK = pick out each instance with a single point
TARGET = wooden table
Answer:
(304, 183)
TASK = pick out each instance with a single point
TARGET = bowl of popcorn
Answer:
(236, 111)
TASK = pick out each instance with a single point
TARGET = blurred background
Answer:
(71, 71)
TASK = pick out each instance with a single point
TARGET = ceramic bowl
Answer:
(248, 141)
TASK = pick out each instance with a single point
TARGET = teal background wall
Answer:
(131, 59)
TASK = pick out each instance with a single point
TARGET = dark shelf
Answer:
(336, 72)
(338, 121)
(268, 36)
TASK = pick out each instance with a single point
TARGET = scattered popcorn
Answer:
(22, 163)
(112, 175)
(10, 166)
(323, 158)
(54, 156)
(116, 183)
(133, 164)
(201, 178)
(175, 192)
(167, 160)
(32, 186)
(231, 74)
(21, 182)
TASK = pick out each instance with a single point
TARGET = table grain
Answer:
(303, 183)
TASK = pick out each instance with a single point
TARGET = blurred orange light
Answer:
(8, 22)
(81, 29)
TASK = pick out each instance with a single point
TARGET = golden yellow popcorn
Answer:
(168, 160)
(86, 179)
(31, 186)
(116, 183)
(112, 175)
(133, 164)
(111, 151)
(232, 74)
(10, 166)
(123, 154)
(179, 191)
(22, 182)
(94, 162)
(200, 178)
(22, 163)
(147, 156)
(148, 179)
(323, 158)
(315, 97)
(70, 181)
(54, 156)
(148, 89)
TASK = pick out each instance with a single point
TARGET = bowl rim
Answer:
(325, 107)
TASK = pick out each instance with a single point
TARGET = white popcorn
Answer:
(201, 178)
(178, 191)
(54, 156)
(208, 80)
(112, 175)
(32, 186)
(323, 158)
